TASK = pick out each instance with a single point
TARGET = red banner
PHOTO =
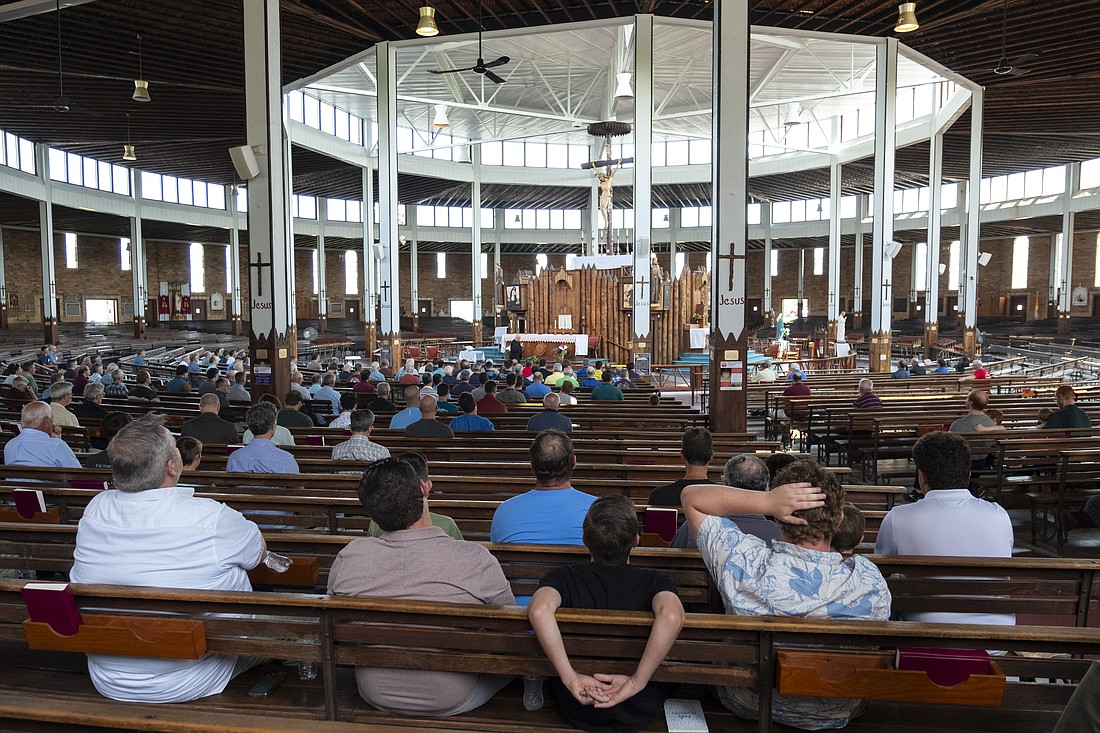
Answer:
(163, 305)
(185, 305)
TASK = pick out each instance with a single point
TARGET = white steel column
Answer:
(729, 192)
(857, 264)
(412, 222)
(235, 302)
(968, 303)
(835, 194)
(45, 231)
(370, 268)
(138, 260)
(882, 267)
(932, 250)
(766, 221)
(389, 278)
(3, 285)
(1065, 300)
(643, 182)
(475, 243)
(273, 331)
(322, 266)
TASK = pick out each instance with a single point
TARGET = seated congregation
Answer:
(777, 538)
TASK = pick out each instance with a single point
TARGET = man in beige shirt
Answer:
(61, 394)
(416, 561)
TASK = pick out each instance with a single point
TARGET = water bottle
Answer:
(277, 564)
(308, 670)
(532, 692)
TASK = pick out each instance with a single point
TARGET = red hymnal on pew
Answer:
(53, 604)
(945, 667)
(29, 502)
(661, 521)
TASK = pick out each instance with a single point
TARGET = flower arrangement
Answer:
(562, 353)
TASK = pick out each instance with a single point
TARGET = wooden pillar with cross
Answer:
(272, 329)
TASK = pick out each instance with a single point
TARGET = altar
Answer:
(543, 345)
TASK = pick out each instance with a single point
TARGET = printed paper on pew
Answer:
(685, 716)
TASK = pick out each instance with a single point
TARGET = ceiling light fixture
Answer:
(427, 26)
(440, 122)
(128, 149)
(794, 116)
(141, 87)
(907, 18)
(623, 91)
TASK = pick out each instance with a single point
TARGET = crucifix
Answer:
(610, 166)
(258, 265)
(385, 288)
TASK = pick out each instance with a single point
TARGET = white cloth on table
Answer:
(579, 340)
(699, 338)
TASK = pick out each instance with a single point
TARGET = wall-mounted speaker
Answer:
(244, 160)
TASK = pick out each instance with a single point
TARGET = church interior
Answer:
(707, 201)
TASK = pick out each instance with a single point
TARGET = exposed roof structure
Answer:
(192, 57)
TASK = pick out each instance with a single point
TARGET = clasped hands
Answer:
(602, 690)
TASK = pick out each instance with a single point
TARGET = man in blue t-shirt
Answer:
(553, 513)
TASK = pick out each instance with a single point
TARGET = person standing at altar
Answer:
(840, 326)
(515, 350)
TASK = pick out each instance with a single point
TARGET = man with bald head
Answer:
(427, 426)
(39, 442)
(553, 512)
(550, 418)
(208, 427)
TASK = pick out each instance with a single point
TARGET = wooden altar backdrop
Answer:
(593, 301)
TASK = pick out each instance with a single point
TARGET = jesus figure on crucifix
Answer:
(605, 178)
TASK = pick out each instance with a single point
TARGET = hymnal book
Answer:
(29, 502)
(53, 604)
(661, 521)
(945, 667)
(685, 716)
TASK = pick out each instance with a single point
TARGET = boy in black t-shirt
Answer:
(604, 702)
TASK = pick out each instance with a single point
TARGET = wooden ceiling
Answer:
(192, 58)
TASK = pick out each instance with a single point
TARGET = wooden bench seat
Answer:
(711, 649)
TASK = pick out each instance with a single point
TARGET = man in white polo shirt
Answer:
(150, 532)
(948, 521)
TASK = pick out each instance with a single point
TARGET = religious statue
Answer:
(780, 326)
(605, 178)
(840, 327)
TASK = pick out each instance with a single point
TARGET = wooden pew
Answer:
(339, 632)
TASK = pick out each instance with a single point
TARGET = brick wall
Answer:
(99, 276)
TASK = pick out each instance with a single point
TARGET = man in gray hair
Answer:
(745, 471)
(39, 441)
(151, 532)
(91, 407)
(61, 394)
(359, 446)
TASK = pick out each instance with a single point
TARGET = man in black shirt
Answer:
(381, 402)
(605, 702)
(427, 426)
(91, 408)
(291, 416)
(696, 450)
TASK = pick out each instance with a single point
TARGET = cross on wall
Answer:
(385, 288)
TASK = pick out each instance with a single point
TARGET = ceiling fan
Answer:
(1004, 66)
(480, 67)
(62, 103)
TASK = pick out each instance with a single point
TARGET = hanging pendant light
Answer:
(440, 122)
(141, 87)
(128, 149)
(623, 91)
(427, 26)
(907, 18)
